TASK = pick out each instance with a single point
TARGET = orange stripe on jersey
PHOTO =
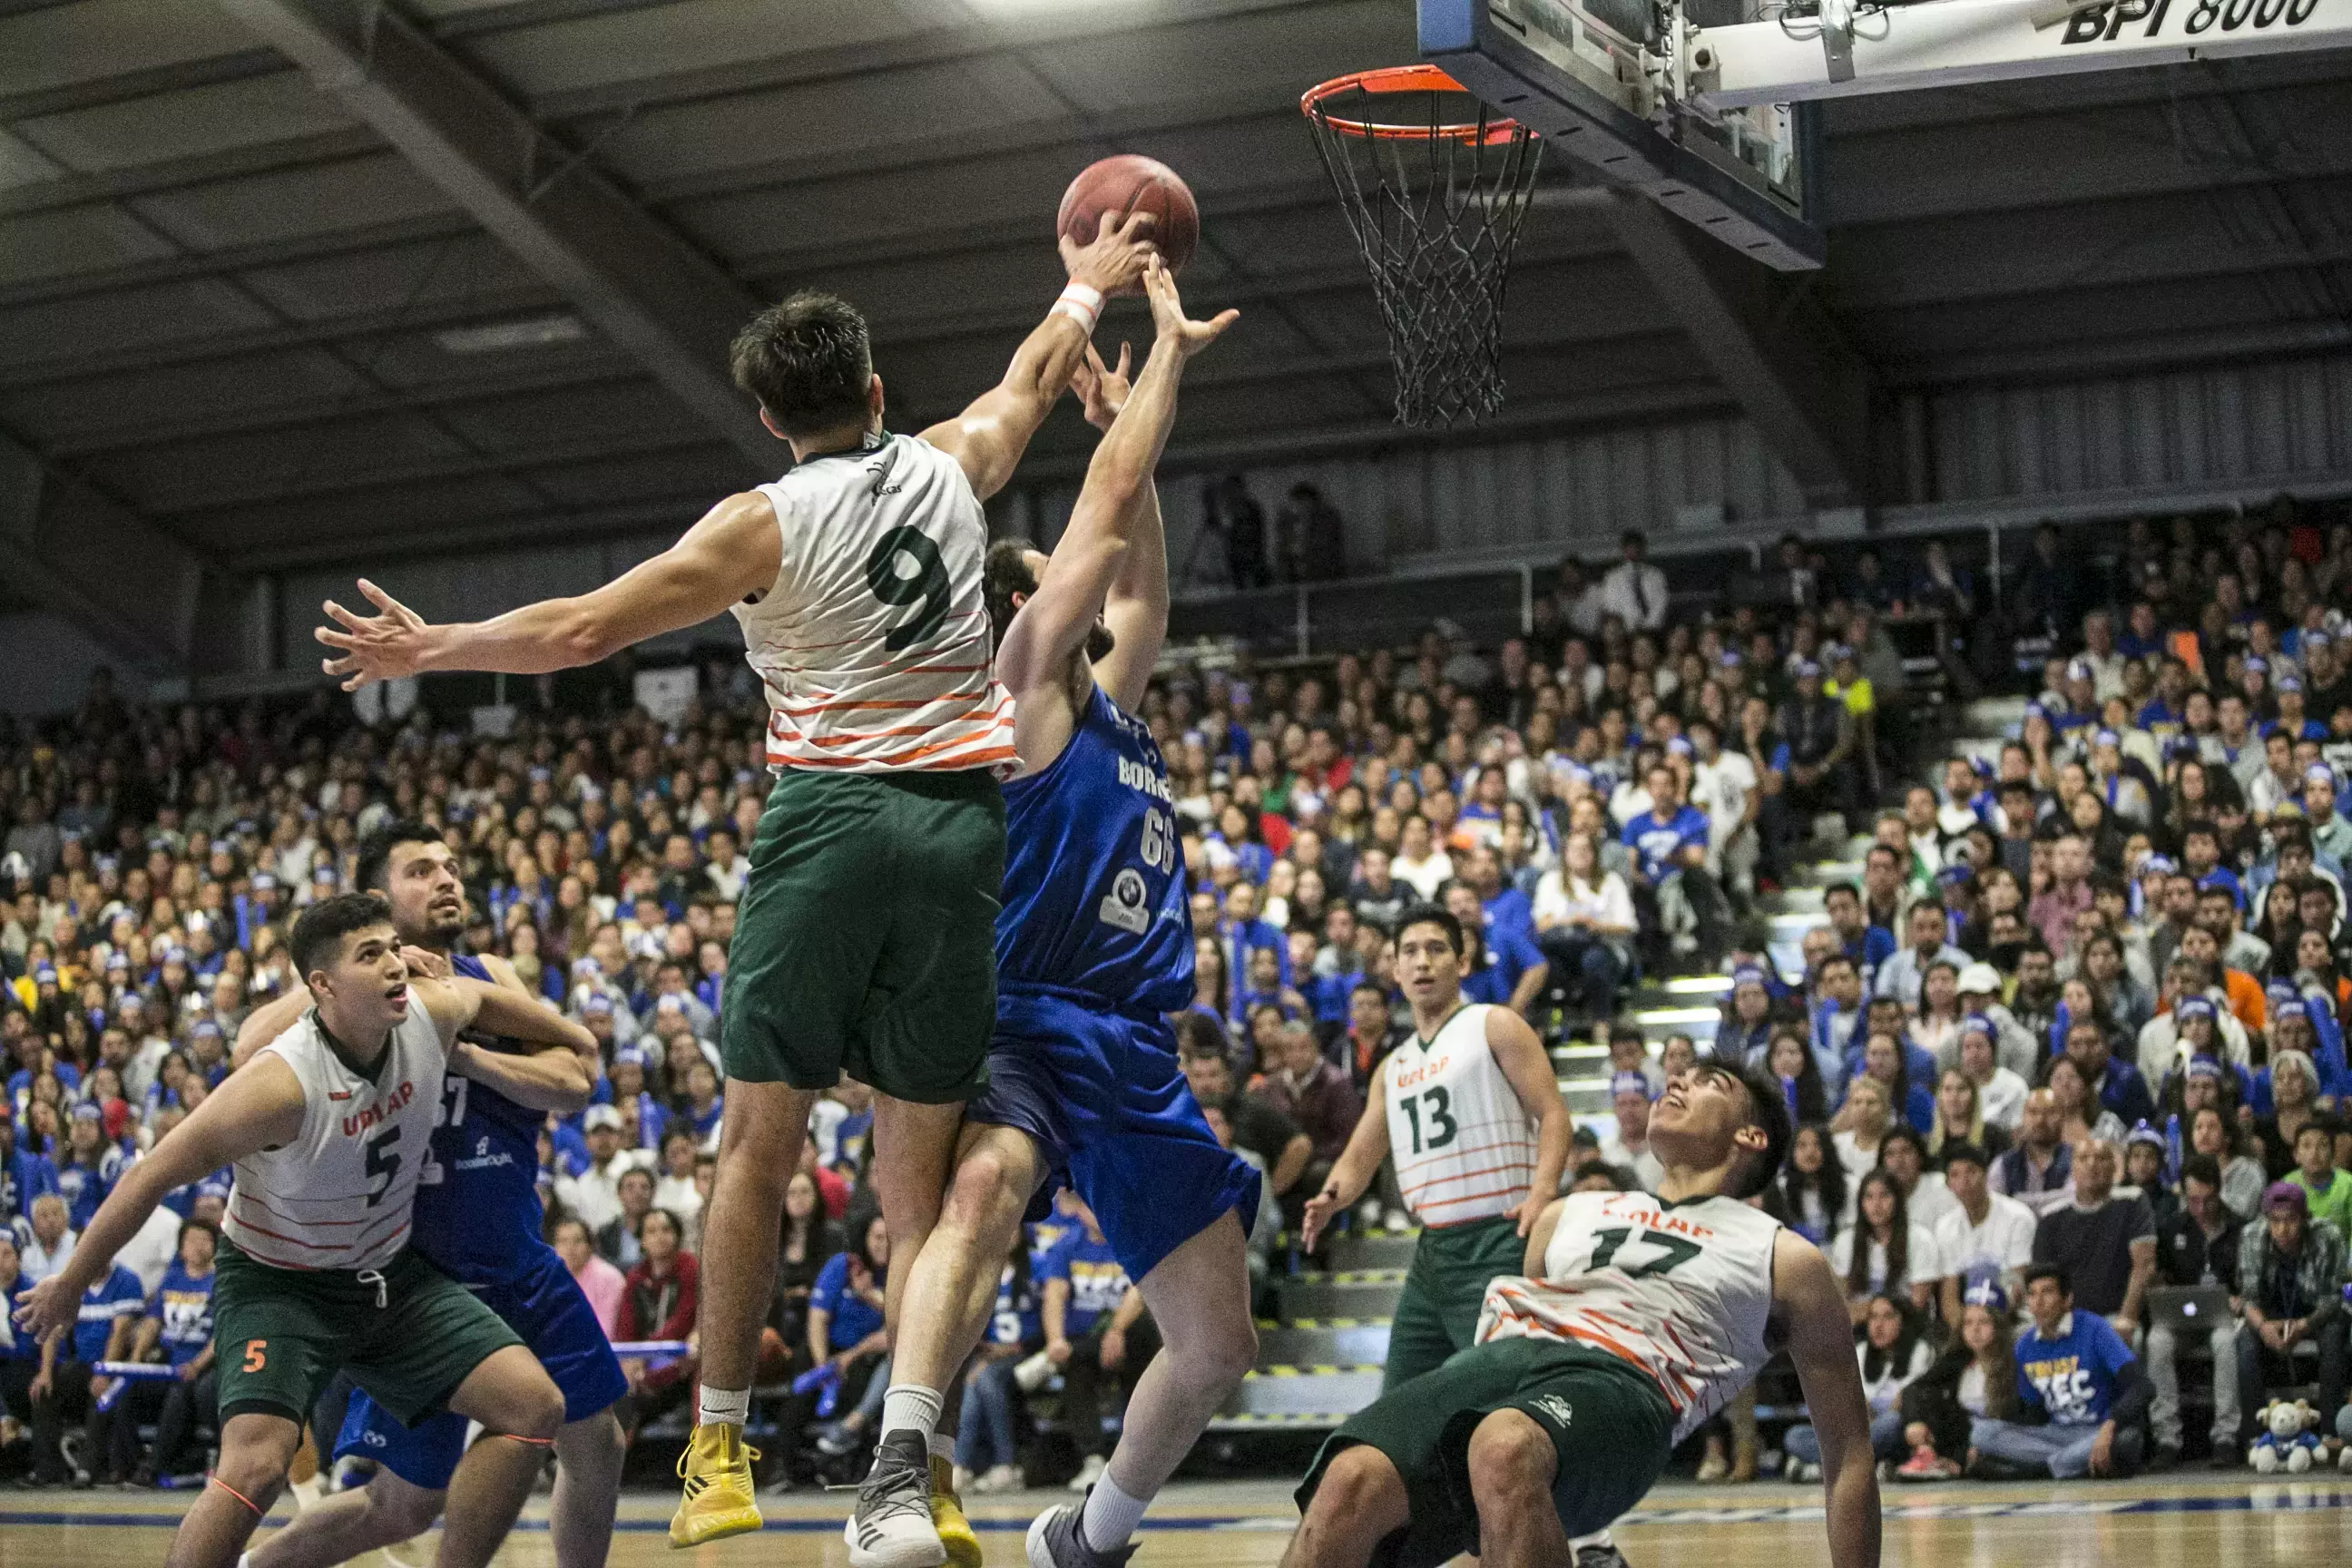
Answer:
(1430, 1183)
(1521, 1142)
(1471, 1197)
(901, 759)
(241, 1196)
(880, 703)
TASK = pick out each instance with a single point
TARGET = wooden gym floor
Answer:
(2181, 1520)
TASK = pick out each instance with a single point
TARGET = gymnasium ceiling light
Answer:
(529, 332)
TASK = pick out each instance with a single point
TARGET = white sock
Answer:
(910, 1405)
(724, 1406)
(943, 1447)
(1111, 1515)
(1599, 1538)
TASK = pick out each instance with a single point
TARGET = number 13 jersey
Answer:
(873, 642)
(1465, 1147)
(1683, 1290)
(339, 1193)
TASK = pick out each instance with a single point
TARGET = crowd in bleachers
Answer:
(2078, 1009)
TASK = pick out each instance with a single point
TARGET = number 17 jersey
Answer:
(1464, 1145)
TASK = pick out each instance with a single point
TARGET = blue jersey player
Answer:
(477, 1220)
(1094, 949)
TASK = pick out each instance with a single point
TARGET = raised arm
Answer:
(258, 1108)
(733, 553)
(988, 438)
(1353, 1171)
(1812, 1310)
(1523, 1061)
(1136, 608)
(1053, 623)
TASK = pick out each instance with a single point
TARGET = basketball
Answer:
(1131, 183)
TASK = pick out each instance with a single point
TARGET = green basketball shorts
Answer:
(1611, 1429)
(279, 1335)
(1437, 1311)
(866, 939)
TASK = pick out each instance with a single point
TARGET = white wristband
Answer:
(1081, 304)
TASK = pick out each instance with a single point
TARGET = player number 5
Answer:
(256, 1357)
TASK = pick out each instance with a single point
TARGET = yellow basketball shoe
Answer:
(946, 1516)
(716, 1468)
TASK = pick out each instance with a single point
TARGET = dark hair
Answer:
(375, 850)
(322, 926)
(1198, 1035)
(1812, 1093)
(1436, 915)
(807, 361)
(1617, 1176)
(2055, 1272)
(1895, 1358)
(1768, 1111)
(1958, 1150)
(1904, 1132)
(1004, 573)
(208, 1227)
(1828, 1184)
(1848, 888)
(1898, 1238)
(2203, 1168)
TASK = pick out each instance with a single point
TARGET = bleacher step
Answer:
(1368, 1294)
(1358, 1344)
(1379, 1251)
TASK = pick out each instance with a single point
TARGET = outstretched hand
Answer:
(1113, 261)
(1167, 314)
(1102, 390)
(375, 648)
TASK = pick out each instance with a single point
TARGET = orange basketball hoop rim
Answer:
(1403, 80)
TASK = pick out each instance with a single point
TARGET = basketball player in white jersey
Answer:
(864, 942)
(1470, 1110)
(1640, 1315)
(327, 1128)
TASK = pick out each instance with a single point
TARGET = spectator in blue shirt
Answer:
(1240, 932)
(845, 1327)
(1670, 878)
(1509, 970)
(24, 1174)
(986, 1449)
(1095, 1331)
(90, 1168)
(2081, 1396)
(2118, 1084)
(1868, 945)
(20, 1353)
(177, 1330)
(109, 1313)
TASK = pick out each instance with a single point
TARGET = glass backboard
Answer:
(1605, 81)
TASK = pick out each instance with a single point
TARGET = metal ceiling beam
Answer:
(123, 87)
(1634, 343)
(645, 288)
(128, 583)
(1771, 345)
(658, 516)
(196, 169)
